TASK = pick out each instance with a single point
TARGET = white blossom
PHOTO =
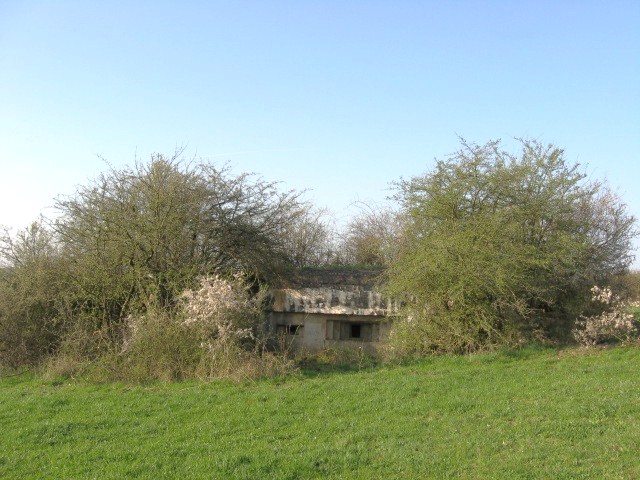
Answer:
(612, 324)
(221, 310)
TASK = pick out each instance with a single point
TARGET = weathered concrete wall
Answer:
(278, 323)
(331, 309)
(313, 332)
(346, 300)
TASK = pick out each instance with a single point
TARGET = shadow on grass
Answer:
(331, 362)
(16, 377)
(348, 362)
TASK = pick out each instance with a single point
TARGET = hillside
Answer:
(528, 414)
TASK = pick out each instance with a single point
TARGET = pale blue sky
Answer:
(338, 97)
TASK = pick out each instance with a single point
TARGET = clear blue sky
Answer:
(338, 97)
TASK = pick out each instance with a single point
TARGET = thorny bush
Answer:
(222, 312)
(614, 324)
(227, 318)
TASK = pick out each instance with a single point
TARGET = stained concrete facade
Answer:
(331, 309)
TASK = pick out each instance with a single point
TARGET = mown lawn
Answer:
(531, 414)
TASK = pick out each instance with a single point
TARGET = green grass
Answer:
(635, 311)
(529, 414)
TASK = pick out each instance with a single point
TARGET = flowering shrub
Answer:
(614, 324)
(222, 311)
(227, 320)
(217, 332)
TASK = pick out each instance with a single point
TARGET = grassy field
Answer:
(530, 414)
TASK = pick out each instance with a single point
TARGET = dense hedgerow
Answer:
(137, 277)
(125, 247)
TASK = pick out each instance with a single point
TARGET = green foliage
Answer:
(499, 247)
(139, 236)
(528, 413)
(160, 348)
(628, 286)
(127, 246)
(31, 282)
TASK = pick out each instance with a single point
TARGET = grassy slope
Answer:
(530, 415)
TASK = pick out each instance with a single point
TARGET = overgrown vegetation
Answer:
(123, 251)
(500, 248)
(614, 323)
(158, 271)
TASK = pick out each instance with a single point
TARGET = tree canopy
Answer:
(488, 248)
(371, 237)
(152, 229)
(500, 246)
(133, 240)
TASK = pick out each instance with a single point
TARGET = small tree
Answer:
(499, 247)
(31, 303)
(136, 238)
(226, 315)
(371, 238)
(307, 240)
(216, 332)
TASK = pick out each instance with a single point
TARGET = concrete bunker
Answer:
(320, 309)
